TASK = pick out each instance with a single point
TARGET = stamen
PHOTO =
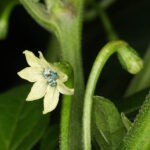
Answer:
(46, 73)
(51, 76)
(52, 82)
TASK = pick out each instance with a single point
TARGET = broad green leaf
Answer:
(108, 129)
(34, 136)
(19, 118)
(50, 141)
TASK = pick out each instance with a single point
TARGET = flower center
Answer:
(51, 76)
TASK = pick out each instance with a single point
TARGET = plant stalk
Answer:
(71, 51)
(98, 65)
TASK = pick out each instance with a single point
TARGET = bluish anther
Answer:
(51, 76)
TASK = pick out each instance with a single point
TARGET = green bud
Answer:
(130, 60)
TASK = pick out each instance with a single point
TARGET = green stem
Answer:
(53, 50)
(98, 65)
(65, 121)
(138, 137)
(141, 80)
(106, 3)
(71, 53)
(5, 13)
(110, 32)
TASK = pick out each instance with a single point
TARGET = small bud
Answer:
(130, 60)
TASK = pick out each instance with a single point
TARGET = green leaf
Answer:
(19, 119)
(108, 129)
(50, 140)
(40, 13)
(138, 137)
(34, 136)
(127, 123)
(6, 7)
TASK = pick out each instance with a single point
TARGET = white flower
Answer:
(49, 81)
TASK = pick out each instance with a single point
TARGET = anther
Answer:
(51, 76)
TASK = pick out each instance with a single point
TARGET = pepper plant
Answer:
(87, 121)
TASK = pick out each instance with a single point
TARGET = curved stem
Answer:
(98, 65)
(5, 12)
(110, 32)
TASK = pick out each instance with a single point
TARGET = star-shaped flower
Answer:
(49, 81)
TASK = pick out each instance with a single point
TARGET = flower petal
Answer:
(44, 63)
(53, 67)
(62, 88)
(31, 74)
(62, 76)
(32, 60)
(38, 90)
(51, 99)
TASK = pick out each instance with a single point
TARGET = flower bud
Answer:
(130, 60)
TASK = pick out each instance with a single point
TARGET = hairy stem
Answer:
(65, 119)
(71, 53)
